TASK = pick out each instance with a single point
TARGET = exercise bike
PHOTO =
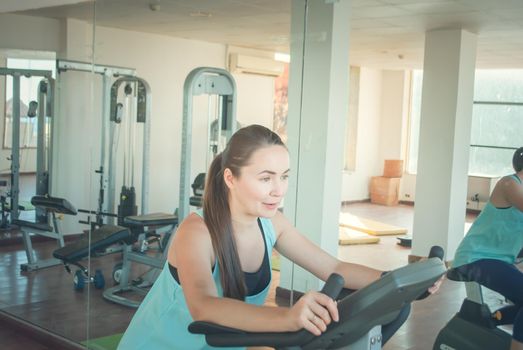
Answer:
(361, 313)
(473, 327)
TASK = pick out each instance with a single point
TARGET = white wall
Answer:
(356, 184)
(254, 94)
(383, 134)
(381, 128)
(30, 33)
(393, 116)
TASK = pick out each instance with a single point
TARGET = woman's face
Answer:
(262, 183)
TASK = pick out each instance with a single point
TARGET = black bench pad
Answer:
(58, 205)
(101, 238)
(153, 219)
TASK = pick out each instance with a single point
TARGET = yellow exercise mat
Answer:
(349, 236)
(370, 226)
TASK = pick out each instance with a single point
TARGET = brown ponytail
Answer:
(216, 210)
(217, 216)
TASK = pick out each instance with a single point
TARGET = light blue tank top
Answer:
(162, 319)
(497, 233)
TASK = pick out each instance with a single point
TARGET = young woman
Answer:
(219, 268)
(489, 250)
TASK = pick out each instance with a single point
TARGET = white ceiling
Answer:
(384, 33)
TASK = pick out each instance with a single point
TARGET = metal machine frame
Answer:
(46, 101)
(107, 192)
(204, 81)
(473, 327)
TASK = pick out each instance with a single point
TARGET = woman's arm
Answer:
(192, 254)
(296, 247)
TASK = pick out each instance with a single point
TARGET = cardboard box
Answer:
(384, 190)
(393, 168)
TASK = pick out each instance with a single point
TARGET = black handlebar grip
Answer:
(333, 286)
(435, 252)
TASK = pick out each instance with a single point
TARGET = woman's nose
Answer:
(278, 188)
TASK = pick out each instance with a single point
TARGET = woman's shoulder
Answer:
(194, 227)
(509, 181)
(280, 223)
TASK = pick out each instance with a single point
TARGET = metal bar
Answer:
(41, 152)
(494, 147)
(65, 65)
(498, 103)
(474, 292)
(15, 149)
(107, 166)
(26, 72)
(28, 247)
(50, 113)
(146, 149)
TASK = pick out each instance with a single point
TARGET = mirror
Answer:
(118, 136)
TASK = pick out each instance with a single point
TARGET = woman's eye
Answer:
(285, 177)
(265, 179)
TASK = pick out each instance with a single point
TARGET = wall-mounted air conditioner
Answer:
(241, 63)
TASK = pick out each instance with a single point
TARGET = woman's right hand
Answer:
(314, 311)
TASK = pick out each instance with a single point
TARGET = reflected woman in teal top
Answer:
(218, 267)
(489, 250)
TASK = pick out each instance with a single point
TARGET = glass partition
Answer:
(122, 124)
(47, 112)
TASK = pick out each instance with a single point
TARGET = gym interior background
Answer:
(376, 113)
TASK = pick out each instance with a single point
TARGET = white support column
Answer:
(318, 107)
(443, 158)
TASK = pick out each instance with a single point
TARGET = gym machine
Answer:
(213, 82)
(45, 222)
(43, 112)
(116, 120)
(126, 112)
(473, 327)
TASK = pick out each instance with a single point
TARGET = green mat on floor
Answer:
(111, 342)
(275, 261)
(104, 343)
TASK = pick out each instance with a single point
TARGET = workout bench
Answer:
(142, 223)
(51, 205)
(108, 235)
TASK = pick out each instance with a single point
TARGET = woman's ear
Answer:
(228, 178)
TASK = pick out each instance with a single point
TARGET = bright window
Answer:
(28, 93)
(497, 121)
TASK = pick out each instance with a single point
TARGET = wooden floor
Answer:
(47, 299)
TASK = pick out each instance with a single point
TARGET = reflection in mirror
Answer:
(44, 163)
(124, 154)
